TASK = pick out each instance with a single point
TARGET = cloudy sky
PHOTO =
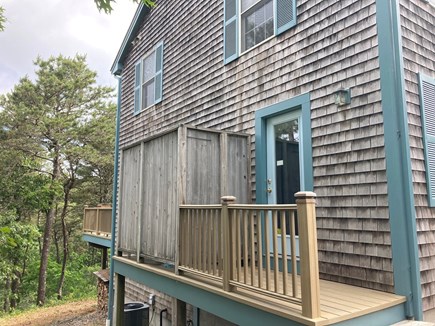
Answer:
(52, 27)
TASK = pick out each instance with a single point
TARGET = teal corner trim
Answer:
(397, 150)
(301, 102)
(114, 203)
(104, 242)
(224, 307)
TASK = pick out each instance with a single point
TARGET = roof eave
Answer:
(118, 64)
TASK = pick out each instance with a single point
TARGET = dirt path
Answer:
(81, 313)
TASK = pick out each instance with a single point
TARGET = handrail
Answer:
(243, 246)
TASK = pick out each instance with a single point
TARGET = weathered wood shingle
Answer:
(334, 45)
(418, 39)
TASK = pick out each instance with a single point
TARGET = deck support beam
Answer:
(310, 291)
(119, 304)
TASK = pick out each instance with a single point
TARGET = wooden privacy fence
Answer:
(98, 220)
(248, 247)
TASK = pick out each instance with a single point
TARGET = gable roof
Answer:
(118, 64)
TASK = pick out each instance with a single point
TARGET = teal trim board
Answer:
(384, 317)
(218, 305)
(104, 242)
(114, 201)
(301, 102)
(397, 150)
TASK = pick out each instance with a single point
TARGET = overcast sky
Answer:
(52, 27)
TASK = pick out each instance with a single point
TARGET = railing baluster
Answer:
(195, 238)
(244, 215)
(293, 254)
(238, 256)
(267, 249)
(235, 244)
(209, 240)
(200, 236)
(227, 241)
(275, 250)
(260, 248)
(252, 246)
(284, 250)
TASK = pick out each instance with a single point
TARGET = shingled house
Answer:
(261, 100)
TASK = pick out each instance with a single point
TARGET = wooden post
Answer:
(119, 303)
(226, 241)
(98, 221)
(104, 259)
(308, 254)
(179, 316)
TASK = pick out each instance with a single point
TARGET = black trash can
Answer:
(136, 314)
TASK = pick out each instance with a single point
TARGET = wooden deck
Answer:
(338, 302)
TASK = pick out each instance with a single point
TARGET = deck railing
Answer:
(98, 220)
(248, 247)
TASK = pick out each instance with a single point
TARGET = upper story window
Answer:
(148, 85)
(250, 22)
(257, 22)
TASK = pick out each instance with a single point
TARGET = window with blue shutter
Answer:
(259, 21)
(137, 87)
(148, 85)
(427, 106)
(230, 30)
(159, 74)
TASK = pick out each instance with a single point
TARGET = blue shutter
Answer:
(230, 30)
(427, 106)
(137, 87)
(285, 15)
(158, 81)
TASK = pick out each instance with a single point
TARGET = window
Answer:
(427, 106)
(257, 22)
(250, 22)
(148, 80)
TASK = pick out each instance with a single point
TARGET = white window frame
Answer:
(157, 79)
(240, 31)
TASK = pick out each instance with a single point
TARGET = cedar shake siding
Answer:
(418, 41)
(333, 45)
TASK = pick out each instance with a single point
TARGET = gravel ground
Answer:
(81, 313)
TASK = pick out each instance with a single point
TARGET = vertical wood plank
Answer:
(180, 192)
(141, 195)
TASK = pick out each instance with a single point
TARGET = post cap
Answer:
(228, 199)
(305, 194)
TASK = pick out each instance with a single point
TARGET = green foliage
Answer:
(56, 155)
(18, 248)
(2, 19)
(106, 5)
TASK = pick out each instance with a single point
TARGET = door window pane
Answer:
(287, 164)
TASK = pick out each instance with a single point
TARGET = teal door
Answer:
(284, 162)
